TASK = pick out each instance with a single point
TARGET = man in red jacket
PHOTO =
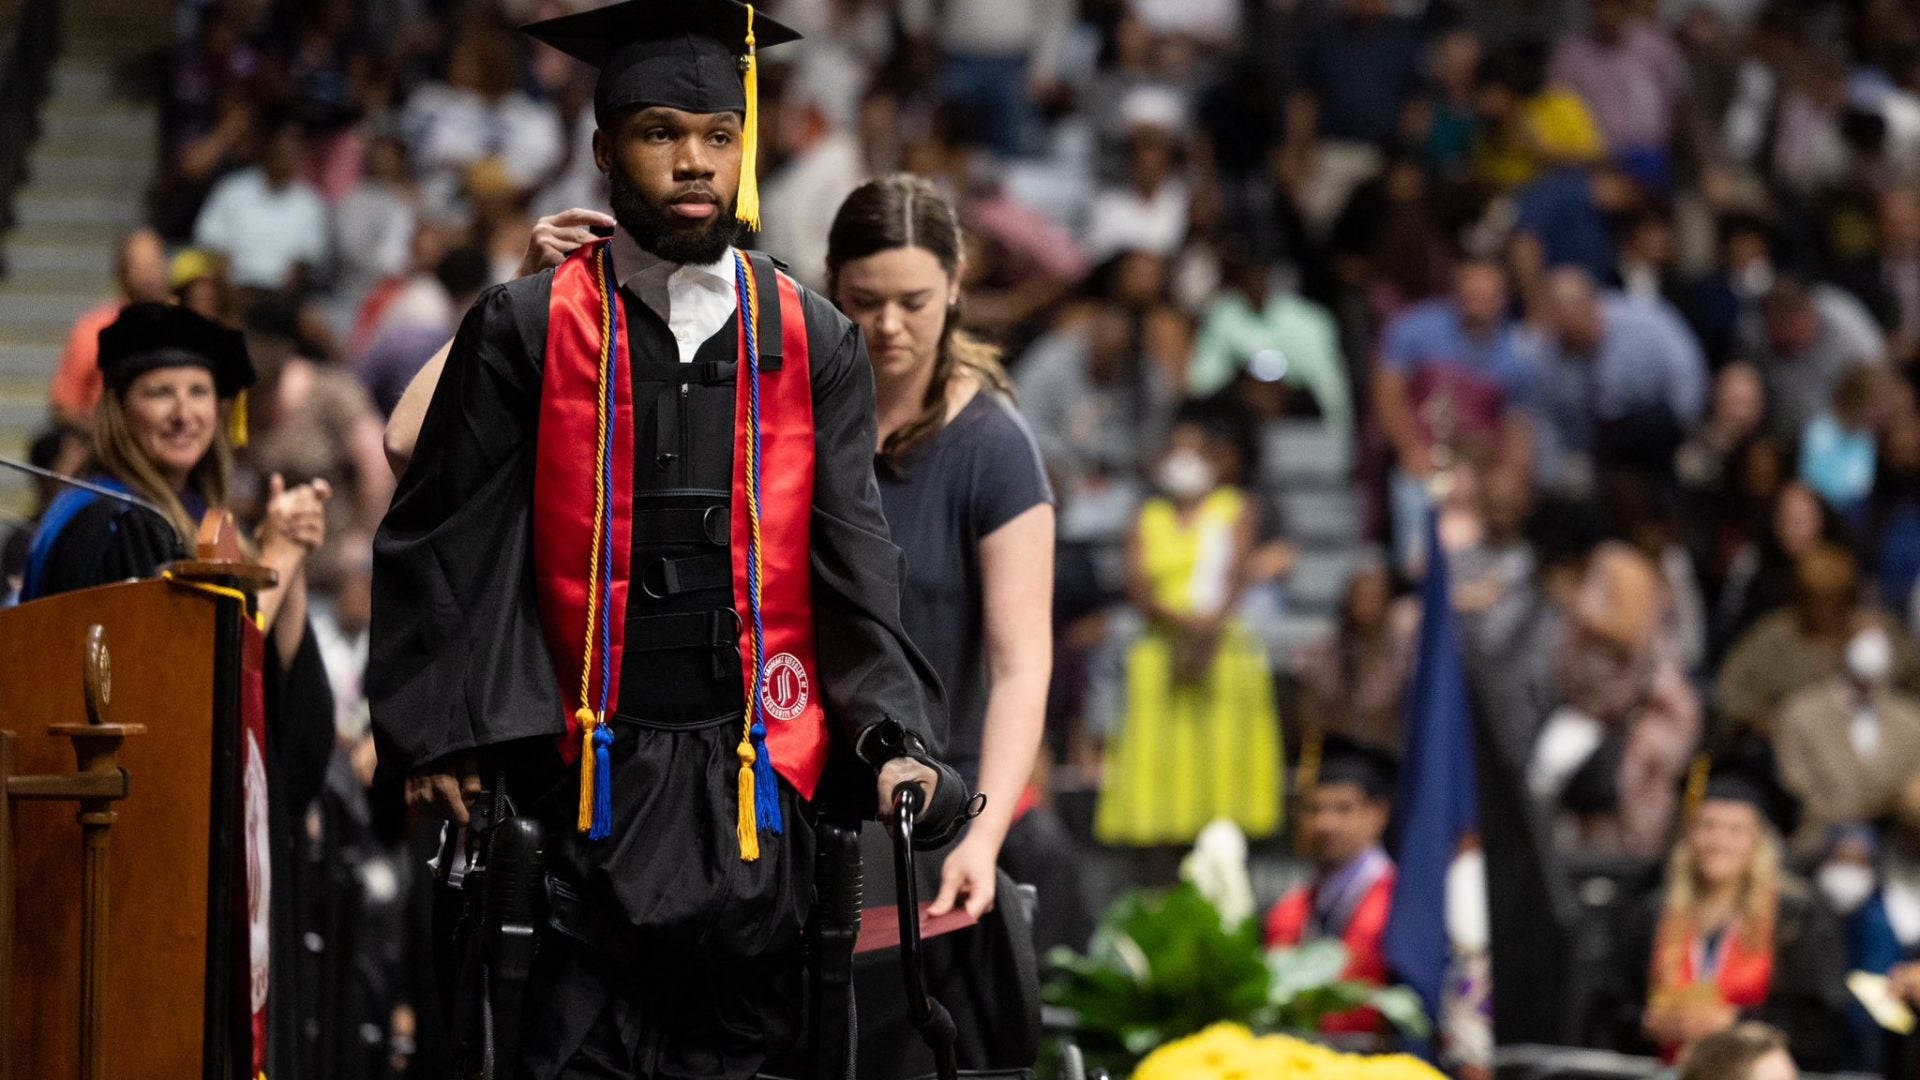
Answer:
(1352, 888)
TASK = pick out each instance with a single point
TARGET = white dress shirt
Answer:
(694, 301)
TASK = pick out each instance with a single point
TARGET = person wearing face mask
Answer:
(1803, 645)
(1849, 881)
(1848, 878)
(1847, 745)
(1200, 738)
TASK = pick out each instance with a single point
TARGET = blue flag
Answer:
(1438, 803)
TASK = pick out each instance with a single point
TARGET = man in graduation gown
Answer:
(638, 565)
(1352, 889)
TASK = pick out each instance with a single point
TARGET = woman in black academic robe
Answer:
(1730, 936)
(160, 438)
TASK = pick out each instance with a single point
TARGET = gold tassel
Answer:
(237, 421)
(747, 826)
(584, 717)
(1306, 778)
(1697, 774)
(749, 201)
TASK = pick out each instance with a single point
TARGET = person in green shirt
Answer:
(1281, 335)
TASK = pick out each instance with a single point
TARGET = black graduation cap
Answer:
(682, 54)
(693, 55)
(1750, 778)
(1346, 761)
(150, 335)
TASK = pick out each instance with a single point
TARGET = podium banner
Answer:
(254, 878)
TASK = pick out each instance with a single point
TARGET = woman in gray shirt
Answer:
(967, 500)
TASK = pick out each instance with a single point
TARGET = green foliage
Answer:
(1162, 965)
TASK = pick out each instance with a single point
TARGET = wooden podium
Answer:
(169, 672)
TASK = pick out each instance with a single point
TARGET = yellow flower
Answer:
(1231, 1052)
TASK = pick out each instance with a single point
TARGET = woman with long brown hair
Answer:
(160, 435)
(965, 495)
(161, 438)
(1733, 937)
(969, 505)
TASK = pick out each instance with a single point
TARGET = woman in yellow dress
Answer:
(1200, 738)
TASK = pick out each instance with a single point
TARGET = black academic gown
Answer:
(459, 663)
(109, 541)
(104, 542)
(1807, 999)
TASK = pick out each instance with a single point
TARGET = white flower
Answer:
(1217, 867)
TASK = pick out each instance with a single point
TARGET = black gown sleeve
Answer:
(870, 671)
(1630, 974)
(300, 738)
(457, 659)
(105, 542)
(1808, 997)
(300, 733)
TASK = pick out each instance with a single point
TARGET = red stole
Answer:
(253, 876)
(789, 700)
(1740, 976)
(1287, 927)
(1744, 974)
(581, 471)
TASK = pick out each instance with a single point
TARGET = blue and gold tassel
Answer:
(595, 816)
(759, 795)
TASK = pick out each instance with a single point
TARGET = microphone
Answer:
(104, 492)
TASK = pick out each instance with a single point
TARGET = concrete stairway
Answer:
(1308, 474)
(88, 177)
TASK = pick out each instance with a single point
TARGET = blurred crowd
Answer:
(1627, 290)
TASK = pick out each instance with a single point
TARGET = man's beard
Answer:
(673, 238)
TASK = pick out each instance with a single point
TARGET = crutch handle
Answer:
(928, 1016)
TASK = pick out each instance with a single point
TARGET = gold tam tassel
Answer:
(1697, 775)
(749, 200)
(237, 421)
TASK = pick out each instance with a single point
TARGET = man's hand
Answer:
(903, 770)
(558, 235)
(443, 788)
(969, 873)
